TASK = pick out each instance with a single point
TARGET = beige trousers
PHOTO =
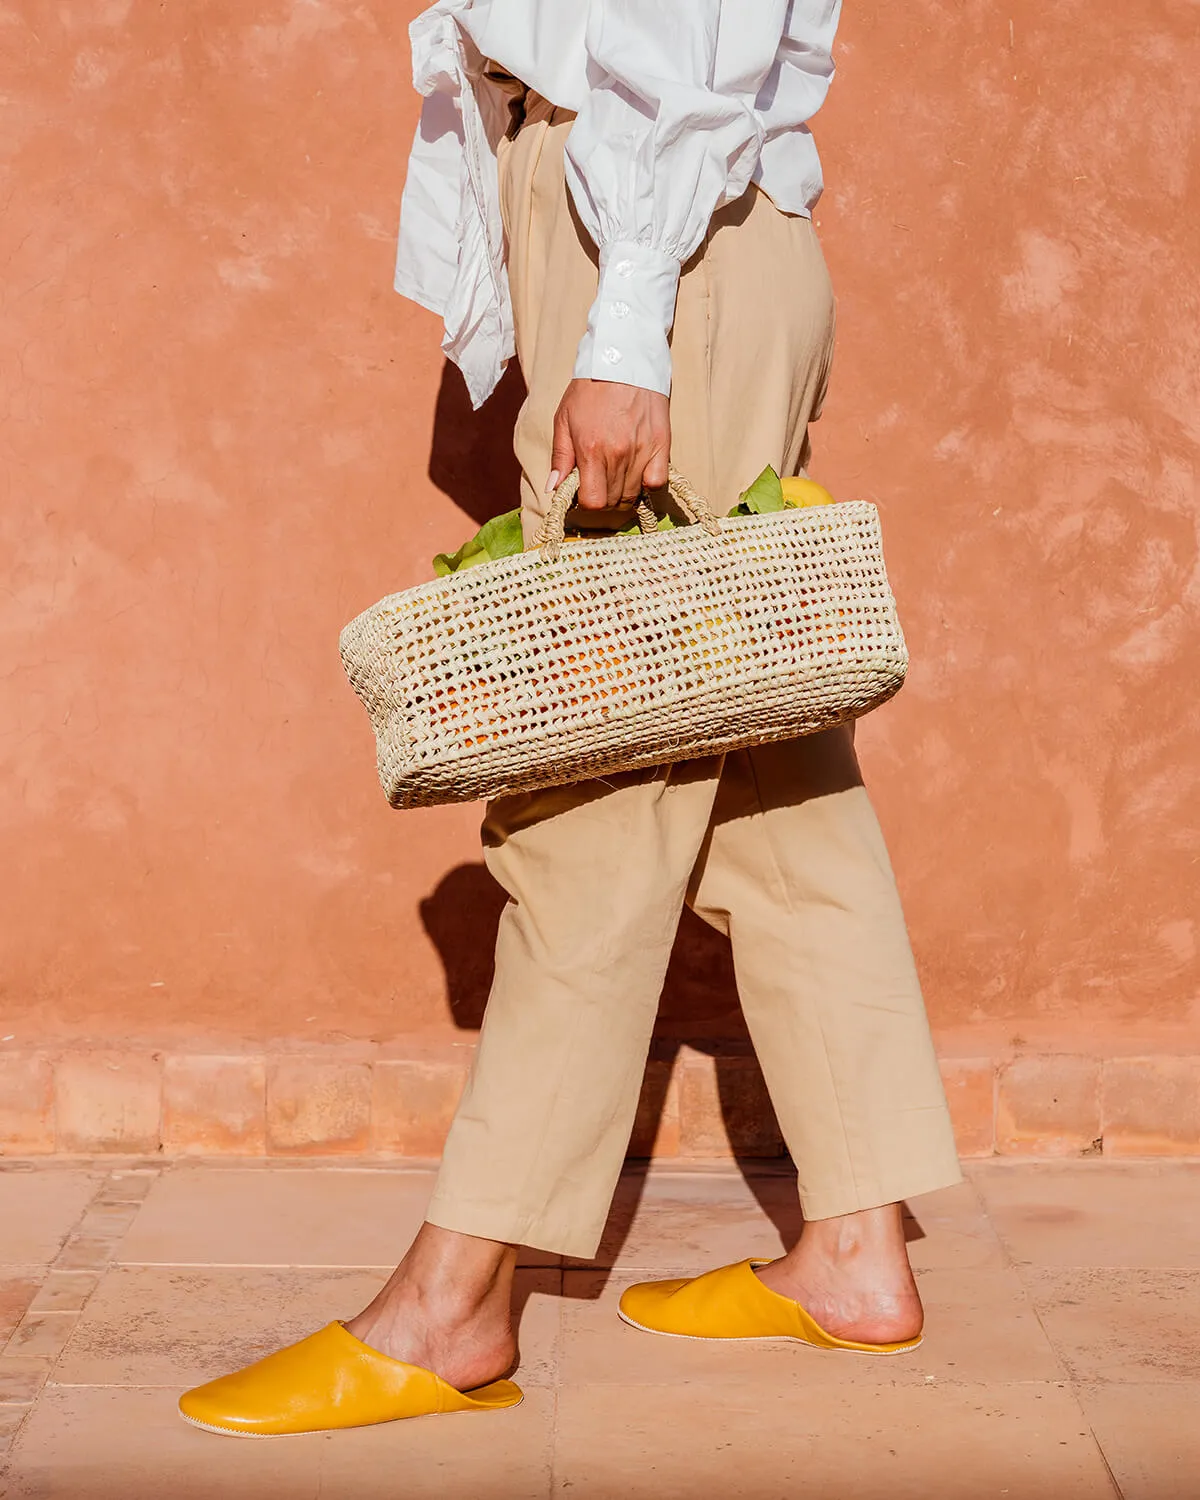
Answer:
(777, 847)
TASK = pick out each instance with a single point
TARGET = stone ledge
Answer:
(695, 1105)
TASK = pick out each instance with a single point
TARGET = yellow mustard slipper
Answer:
(330, 1379)
(732, 1303)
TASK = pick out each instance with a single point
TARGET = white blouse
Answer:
(680, 107)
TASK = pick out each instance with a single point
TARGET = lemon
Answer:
(799, 492)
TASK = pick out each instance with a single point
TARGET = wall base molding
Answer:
(696, 1104)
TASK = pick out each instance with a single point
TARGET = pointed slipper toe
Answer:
(326, 1381)
(732, 1303)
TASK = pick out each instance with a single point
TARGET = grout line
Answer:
(711, 1378)
(1099, 1446)
(556, 1384)
(265, 1265)
(116, 1385)
(982, 1204)
(1013, 1265)
(1115, 1269)
(277, 1265)
(552, 1476)
(109, 1178)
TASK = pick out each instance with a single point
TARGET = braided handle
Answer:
(549, 536)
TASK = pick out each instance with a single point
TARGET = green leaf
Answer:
(764, 496)
(665, 523)
(499, 537)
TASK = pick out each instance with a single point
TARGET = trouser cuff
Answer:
(512, 1226)
(831, 1202)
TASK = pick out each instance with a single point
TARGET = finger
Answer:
(654, 474)
(620, 471)
(593, 481)
(562, 452)
(631, 480)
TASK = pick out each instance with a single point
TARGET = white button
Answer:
(613, 356)
(624, 268)
(619, 309)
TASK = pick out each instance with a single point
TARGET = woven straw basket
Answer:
(587, 658)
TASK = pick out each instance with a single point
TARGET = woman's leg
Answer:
(596, 875)
(796, 872)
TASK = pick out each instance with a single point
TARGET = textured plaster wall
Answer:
(223, 435)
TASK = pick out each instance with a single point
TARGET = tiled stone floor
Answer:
(1062, 1360)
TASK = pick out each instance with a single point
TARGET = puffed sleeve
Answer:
(667, 133)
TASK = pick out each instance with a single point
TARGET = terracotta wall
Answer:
(224, 435)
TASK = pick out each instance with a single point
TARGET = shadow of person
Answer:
(471, 455)
(461, 918)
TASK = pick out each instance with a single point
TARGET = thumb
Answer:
(562, 454)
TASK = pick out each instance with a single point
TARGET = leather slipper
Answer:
(732, 1303)
(326, 1381)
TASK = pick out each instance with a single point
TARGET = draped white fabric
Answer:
(679, 109)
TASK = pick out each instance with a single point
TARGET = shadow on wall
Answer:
(471, 458)
(699, 1007)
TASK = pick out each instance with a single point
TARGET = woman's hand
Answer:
(619, 436)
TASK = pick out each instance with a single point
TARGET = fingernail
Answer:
(552, 482)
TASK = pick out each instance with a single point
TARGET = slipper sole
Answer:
(766, 1338)
(236, 1432)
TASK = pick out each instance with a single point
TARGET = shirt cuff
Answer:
(626, 338)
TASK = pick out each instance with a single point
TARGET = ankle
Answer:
(875, 1235)
(448, 1280)
(443, 1304)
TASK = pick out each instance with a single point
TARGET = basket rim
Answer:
(813, 518)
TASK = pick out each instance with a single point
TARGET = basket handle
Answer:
(549, 536)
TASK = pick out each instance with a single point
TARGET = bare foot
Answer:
(447, 1308)
(852, 1275)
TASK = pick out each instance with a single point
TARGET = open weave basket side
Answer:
(627, 652)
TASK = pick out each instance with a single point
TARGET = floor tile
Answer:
(538, 1301)
(1126, 1326)
(1150, 1437)
(81, 1253)
(180, 1326)
(18, 1287)
(127, 1185)
(64, 1291)
(11, 1418)
(980, 1327)
(682, 1441)
(21, 1378)
(106, 1444)
(37, 1211)
(41, 1335)
(950, 1229)
(108, 1221)
(265, 1216)
(1095, 1213)
(678, 1224)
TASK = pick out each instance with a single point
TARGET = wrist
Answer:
(626, 337)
